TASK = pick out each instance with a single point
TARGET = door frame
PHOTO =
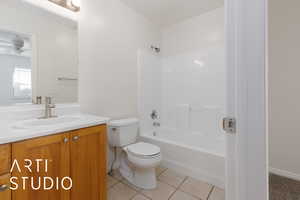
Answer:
(246, 49)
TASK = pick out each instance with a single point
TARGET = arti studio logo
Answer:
(37, 166)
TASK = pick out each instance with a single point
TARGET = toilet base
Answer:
(140, 177)
(144, 179)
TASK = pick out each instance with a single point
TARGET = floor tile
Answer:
(140, 197)
(162, 192)
(172, 178)
(111, 181)
(130, 185)
(196, 188)
(217, 194)
(159, 170)
(121, 191)
(182, 196)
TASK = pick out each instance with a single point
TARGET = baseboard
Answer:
(194, 173)
(284, 173)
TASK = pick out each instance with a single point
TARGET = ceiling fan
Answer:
(17, 44)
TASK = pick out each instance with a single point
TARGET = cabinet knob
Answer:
(75, 138)
(3, 188)
(66, 140)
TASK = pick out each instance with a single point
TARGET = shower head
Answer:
(156, 49)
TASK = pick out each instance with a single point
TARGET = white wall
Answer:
(284, 71)
(56, 43)
(193, 74)
(110, 35)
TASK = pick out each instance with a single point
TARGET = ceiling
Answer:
(167, 12)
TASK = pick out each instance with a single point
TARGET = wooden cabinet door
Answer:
(88, 163)
(5, 157)
(53, 148)
(5, 193)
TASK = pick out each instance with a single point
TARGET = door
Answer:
(53, 154)
(246, 158)
(88, 163)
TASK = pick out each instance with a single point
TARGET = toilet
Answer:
(138, 160)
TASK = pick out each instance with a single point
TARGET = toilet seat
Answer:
(143, 150)
(144, 155)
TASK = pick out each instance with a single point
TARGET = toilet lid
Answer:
(143, 149)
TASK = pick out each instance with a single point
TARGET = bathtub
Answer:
(193, 154)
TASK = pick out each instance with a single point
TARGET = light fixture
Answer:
(52, 7)
(75, 3)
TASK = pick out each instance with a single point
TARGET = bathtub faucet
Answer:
(154, 115)
(156, 124)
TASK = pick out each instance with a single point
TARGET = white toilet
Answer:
(137, 160)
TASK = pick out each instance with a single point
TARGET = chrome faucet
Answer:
(156, 124)
(154, 115)
(49, 106)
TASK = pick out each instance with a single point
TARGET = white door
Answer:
(247, 166)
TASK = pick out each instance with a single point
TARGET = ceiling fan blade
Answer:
(6, 45)
(5, 41)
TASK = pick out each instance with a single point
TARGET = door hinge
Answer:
(229, 125)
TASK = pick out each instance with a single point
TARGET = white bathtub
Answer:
(193, 154)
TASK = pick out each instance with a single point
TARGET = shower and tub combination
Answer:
(182, 96)
(196, 154)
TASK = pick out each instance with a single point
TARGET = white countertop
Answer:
(11, 131)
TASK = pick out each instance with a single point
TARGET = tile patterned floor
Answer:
(171, 186)
(283, 188)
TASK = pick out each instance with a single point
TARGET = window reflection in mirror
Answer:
(22, 83)
(15, 68)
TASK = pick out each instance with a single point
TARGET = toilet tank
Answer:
(123, 132)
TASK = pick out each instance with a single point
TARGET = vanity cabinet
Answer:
(5, 158)
(5, 161)
(5, 193)
(79, 154)
(88, 164)
(55, 149)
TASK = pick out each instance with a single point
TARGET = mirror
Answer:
(38, 55)
(16, 68)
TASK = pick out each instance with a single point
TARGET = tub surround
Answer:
(185, 84)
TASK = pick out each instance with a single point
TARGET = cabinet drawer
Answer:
(5, 192)
(5, 158)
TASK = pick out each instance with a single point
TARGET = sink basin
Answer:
(35, 123)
